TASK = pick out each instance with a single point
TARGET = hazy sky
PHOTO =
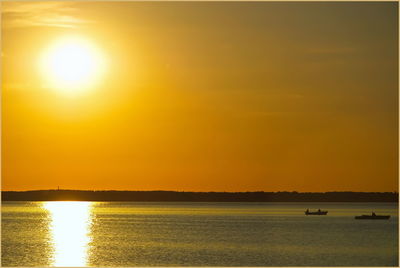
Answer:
(205, 96)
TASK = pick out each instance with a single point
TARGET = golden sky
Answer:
(201, 96)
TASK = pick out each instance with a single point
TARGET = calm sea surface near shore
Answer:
(196, 234)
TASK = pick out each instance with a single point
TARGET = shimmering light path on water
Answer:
(196, 234)
(69, 228)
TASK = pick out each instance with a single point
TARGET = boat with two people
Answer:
(373, 216)
(318, 212)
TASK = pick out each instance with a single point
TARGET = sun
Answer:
(72, 65)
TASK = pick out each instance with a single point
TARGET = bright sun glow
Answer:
(72, 65)
(70, 226)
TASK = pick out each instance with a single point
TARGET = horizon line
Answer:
(211, 191)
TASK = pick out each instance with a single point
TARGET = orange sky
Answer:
(205, 96)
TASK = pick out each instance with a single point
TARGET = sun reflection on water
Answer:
(69, 227)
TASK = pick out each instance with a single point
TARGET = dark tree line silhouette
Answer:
(174, 196)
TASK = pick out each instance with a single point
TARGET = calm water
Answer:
(196, 234)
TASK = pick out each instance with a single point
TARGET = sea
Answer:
(126, 234)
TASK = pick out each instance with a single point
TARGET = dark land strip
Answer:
(175, 196)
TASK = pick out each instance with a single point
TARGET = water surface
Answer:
(196, 234)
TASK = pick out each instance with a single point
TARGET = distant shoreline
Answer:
(175, 196)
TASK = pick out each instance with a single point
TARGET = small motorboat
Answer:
(373, 216)
(318, 212)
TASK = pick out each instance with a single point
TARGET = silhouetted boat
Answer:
(319, 212)
(373, 216)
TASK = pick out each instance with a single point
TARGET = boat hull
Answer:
(369, 217)
(316, 213)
